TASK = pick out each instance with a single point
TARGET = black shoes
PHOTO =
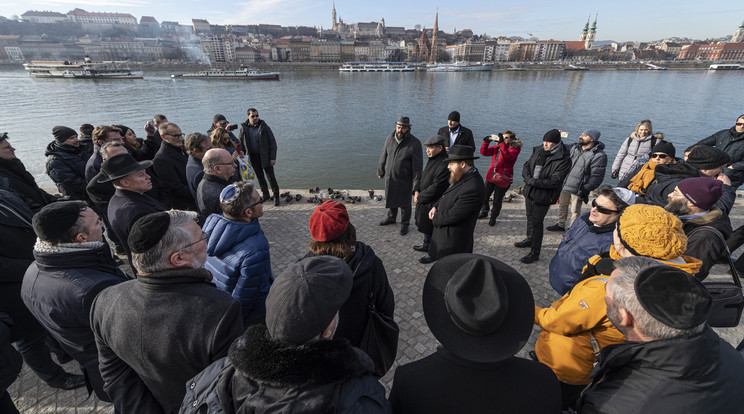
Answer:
(530, 258)
(556, 227)
(492, 221)
(424, 247)
(483, 214)
(276, 201)
(426, 259)
(403, 229)
(387, 221)
(266, 197)
(524, 243)
(68, 382)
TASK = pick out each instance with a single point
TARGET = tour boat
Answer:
(237, 74)
(724, 66)
(460, 67)
(376, 67)
(78, 70)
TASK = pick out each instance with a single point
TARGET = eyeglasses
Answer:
(260, 201)
(660, 156)
(203, 237)
(226, 163)
(602, 209)
(740, 124)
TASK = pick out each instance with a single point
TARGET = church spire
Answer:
(434, 49)
(333, 14)
(594, 25)
(585, 32)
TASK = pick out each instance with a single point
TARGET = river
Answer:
(330, 126)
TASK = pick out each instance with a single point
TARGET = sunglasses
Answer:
(740, 124)
(660, 156)
(602, 209)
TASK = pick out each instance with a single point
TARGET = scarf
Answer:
(640, 182)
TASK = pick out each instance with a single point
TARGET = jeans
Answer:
(405, 219)
(535, 221)
(565, 202)
(498, 198)
(261, 172)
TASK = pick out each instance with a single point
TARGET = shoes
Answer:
(524, 243)
(266, 197)
(426, 259)
(483, 214)
(387, 221)
(424, 247)
(556, 227)
(404, 229)
(276, 201)
(530, 258)
(492, 221)
(68, 382)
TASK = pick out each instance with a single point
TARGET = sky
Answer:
(631, 20)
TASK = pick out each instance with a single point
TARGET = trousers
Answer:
(498, 198)
(566, 202)
(262, 171)
(535, 221)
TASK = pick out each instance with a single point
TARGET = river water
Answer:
(330, 127)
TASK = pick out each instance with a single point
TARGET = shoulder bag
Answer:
(380, 338)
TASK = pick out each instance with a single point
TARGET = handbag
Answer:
(501, 180)
(380, 337)
(246, 170)
(728, 301)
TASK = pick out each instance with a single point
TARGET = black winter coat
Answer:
(11, 361)
(17, 241)
(65, 165)
(158, 331)
(667, 178)
(15, 177)
(194, 174)
(547, 188)
(400, 165)
(100, 193)
(208, 196)
(59, 290)
(692, 374)
(704, 244)
(125, 208)
(262, 375)
(266, 140)
(444, 383)
(147, 148)
(732, 143)
(457, 213)
(434, 181)
(464, 136)
(170, 166)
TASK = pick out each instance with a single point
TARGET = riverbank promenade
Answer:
(286, 227)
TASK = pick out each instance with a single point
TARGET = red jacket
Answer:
(507, 156)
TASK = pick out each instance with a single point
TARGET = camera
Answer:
(232, 127)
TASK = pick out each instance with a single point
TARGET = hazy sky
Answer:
(630, 20)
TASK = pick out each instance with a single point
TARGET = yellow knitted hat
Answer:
(651, 231)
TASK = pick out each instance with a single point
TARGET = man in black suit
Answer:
(456, 134)
(455, 214)
(434, 181)
(170, 166)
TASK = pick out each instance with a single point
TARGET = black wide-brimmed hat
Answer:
(404, 120)
(461, 153)
(120, 166)
(479, 308)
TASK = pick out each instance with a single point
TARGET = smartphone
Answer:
(564, 134)
(232, 127)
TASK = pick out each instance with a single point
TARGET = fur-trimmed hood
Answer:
(516, 143)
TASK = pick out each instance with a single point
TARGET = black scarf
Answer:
(736, 135)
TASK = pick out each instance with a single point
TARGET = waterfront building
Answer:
(421, 49)
(726, 52)
(81, 16)
(299, 49)
(34, 16)
(739, 34)
(201, 26)
(470, 51)
(537, 51)
(220, 49)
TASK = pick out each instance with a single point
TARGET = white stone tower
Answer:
(738, 34)
(592, 34)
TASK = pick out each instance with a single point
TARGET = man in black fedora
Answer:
(129, 202)
(455, 214)
(434, 180)
(400, 165)
(481, 311)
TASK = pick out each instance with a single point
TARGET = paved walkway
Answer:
(286, 228)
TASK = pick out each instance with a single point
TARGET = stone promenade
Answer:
(286, 227)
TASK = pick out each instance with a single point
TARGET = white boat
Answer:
(460, 67)
(574, 67)
(376, 67)
(724, 66)
(84, 70)
(237, 74)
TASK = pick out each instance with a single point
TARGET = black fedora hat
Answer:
(460, 153)
(120, 166)
(404, 120)
(479, 308)
(435, 140)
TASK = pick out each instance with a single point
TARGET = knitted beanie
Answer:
(704, 157)
(702, 192)
(651, 231)
(329, 220)
(665, 148)
(593, 134)
(62, 133)
(553, 136)
(454, 116)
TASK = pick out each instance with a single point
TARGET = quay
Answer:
(286, 228)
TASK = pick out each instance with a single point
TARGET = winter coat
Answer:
(457, 213)
(263, 375)
(503, 157)
(444, 383)
(208, 196)
(633, 147)
(582, 241)
(101, 193)
(587, 169)
(464, 136)
(667, 178)
(434, 180)
(267, 142)
(15, 177)
(66, 167)
(194, 174)
(400, 165)
(93, 164)
(564, 344)
(640, 178)
(17, 241)
(239, 259)
(604, 264)
(732, 143)
(547, 188)
(703, 244)
(59, 288)
(369, 277)
(156, 332)
(690, 374)
(86, 145)
(147, 148)
(170, 166)
(11, 361)
(125, 208)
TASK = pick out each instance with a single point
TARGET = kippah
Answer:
(55, 219)
(147, 231)
(673, 297)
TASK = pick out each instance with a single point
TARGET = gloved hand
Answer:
(584, 196)
(615, 174)
(486, 139)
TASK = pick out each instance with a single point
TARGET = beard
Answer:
(456, 175)
(677, 207)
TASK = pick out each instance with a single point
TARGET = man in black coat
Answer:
(454, 215)
(481, 311)
(456, 134)
(731, 141)
(14, 177)
(259, 144)
(170, 166)
(65, 164)
(196, 145)
(73, 264)
(219, 169)
(434, 180)
(102, 134)
(543, 176)
(673, 361)
(157, 331)
(400, 165)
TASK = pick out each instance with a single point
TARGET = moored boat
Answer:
(725, 66)
(460, 67)
(78, 70)
(222, 74)
(375, 67)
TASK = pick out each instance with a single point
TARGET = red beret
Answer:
(329, 220)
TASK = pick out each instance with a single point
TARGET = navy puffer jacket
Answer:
(65, 165)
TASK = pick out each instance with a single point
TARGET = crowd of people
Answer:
(202, 324)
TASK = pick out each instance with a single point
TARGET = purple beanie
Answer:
(702, 192)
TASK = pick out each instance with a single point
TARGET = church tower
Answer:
(434, 48)
(585, 32)
(739, 34)
(592, 34)
(333, 14)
